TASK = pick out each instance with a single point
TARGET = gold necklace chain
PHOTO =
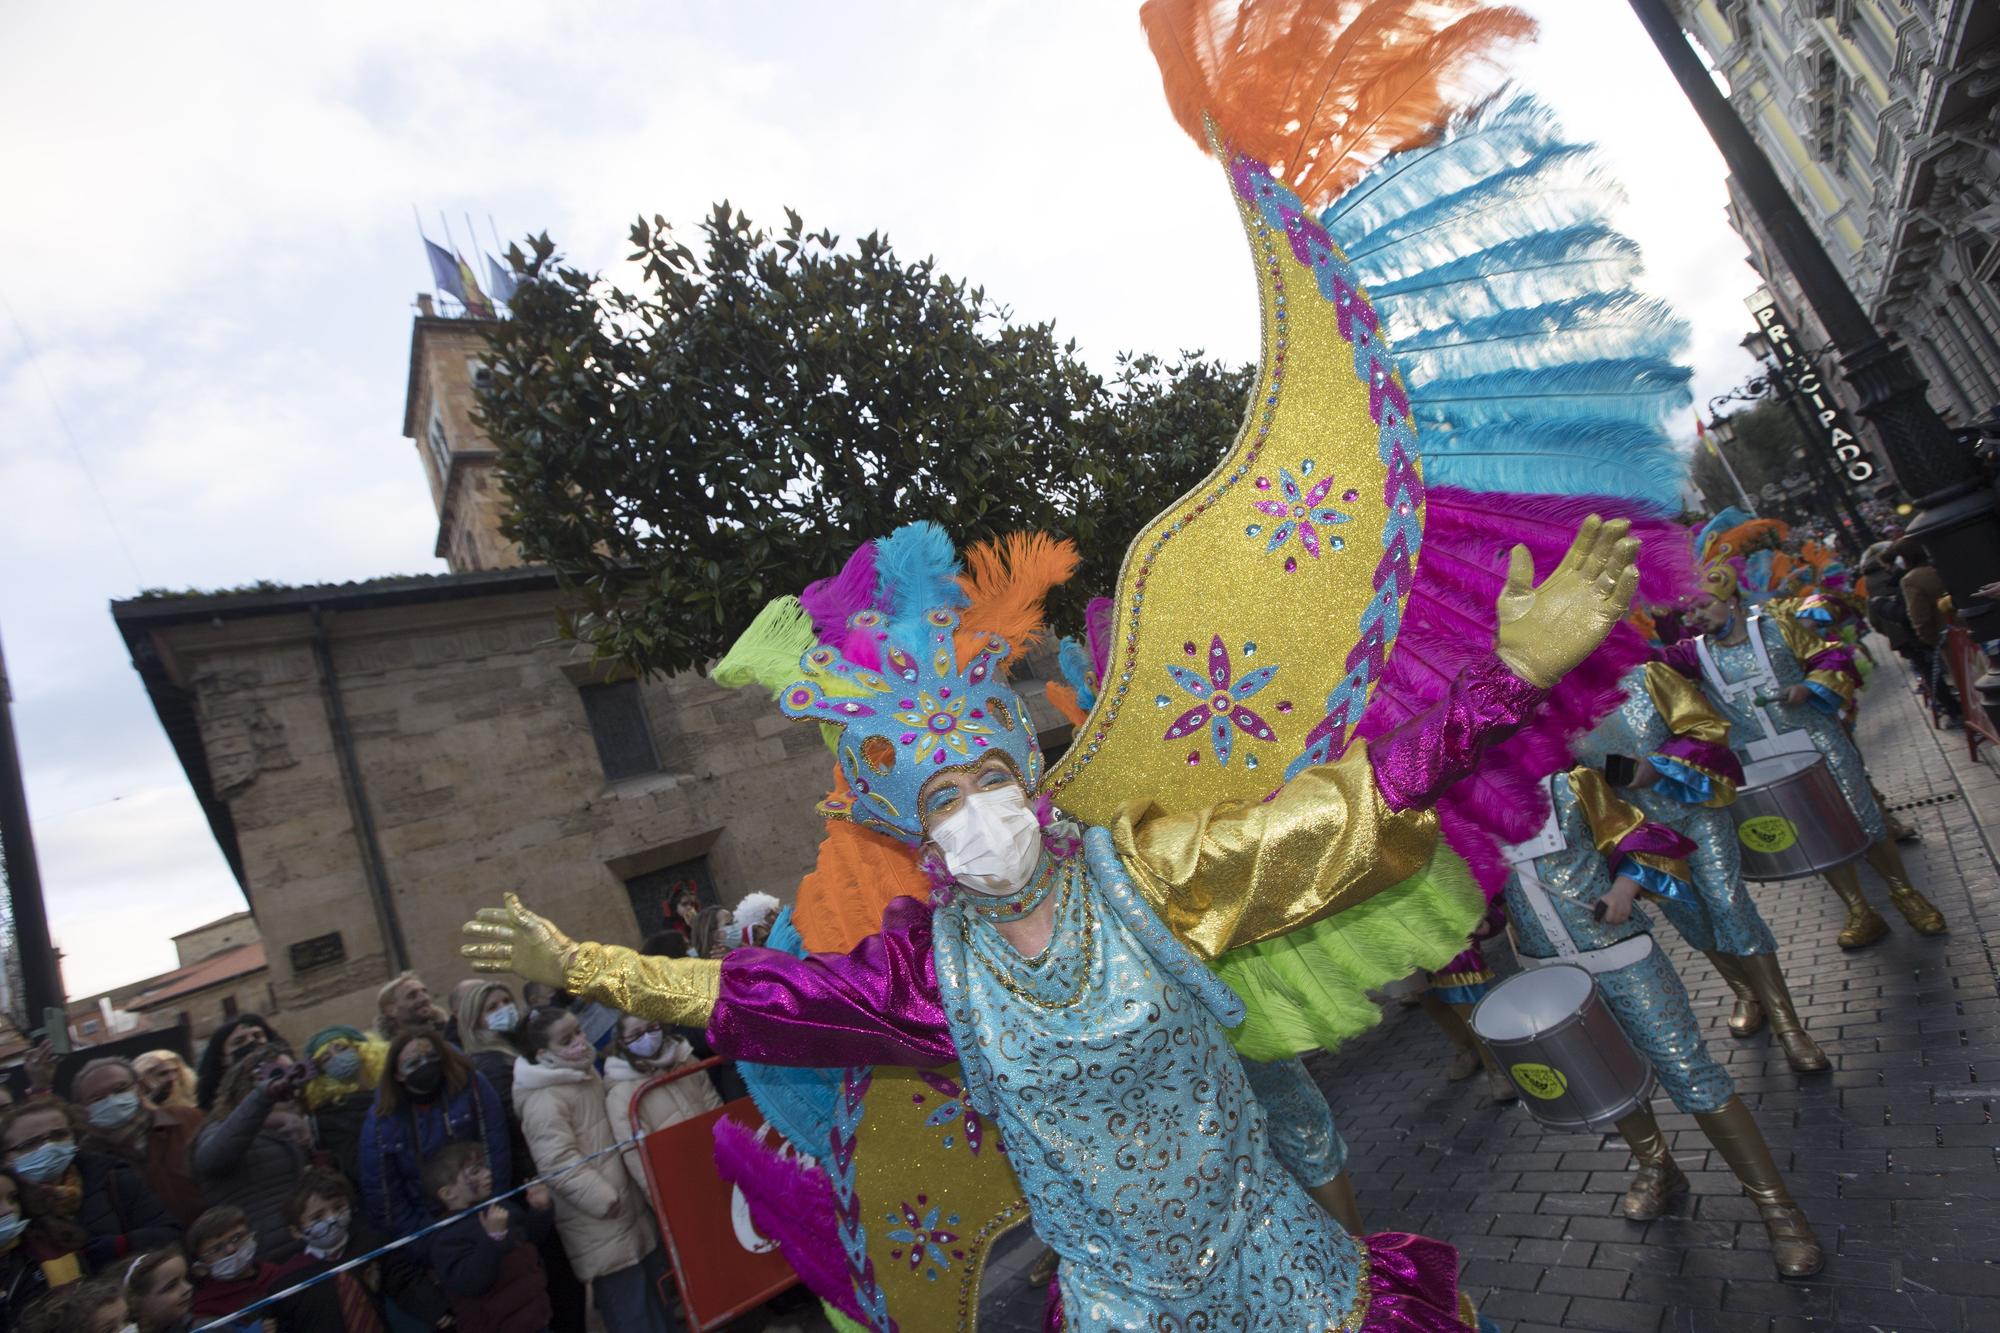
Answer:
(999, 974)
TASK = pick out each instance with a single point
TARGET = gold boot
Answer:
(1465, 1049)
(1659, 1181)
(1916, 909)
(1794, 1248)
(1761, 972)
(1747, 1018)
(1337, 1197)
(1863, 927)
(1498, 1085)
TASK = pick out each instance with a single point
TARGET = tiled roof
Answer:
(225, 966)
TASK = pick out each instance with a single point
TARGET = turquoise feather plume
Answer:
(1534, 363)
(916, 568)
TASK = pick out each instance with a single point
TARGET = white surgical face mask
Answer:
(503, 1019)
(992, 842)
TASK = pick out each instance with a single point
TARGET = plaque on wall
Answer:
(319, 951)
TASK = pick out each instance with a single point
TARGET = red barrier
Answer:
(705, 1228)
(1968, 664)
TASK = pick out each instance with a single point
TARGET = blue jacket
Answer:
(393, 1149)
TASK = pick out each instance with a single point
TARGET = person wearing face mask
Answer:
(86, 1208)
(157, 1140)
(22, 1280)
(430, 1096)
(325, 1216)
(165, 1079)
(488, 1016)
(1049, 959)
(227, 1267)
(256, 1144)
(230, 1043)
(640, 1049)
(1763, 671)
(605, 1221)
(347, 1065)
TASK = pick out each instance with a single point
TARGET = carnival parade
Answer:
(878, 826)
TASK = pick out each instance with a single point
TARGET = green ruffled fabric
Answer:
(841, 1323)
(1305, 991)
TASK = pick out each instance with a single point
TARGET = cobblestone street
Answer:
(1892, 1153)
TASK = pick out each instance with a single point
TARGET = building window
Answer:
(618, 725)
(440, 447)
(228, 1006)
(655, 893)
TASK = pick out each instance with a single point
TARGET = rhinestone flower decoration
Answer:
(920, 1232)
(1221, 710)
(939, 725)
(1300, 512)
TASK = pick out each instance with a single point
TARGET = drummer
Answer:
(1572, 898)
(1800, 684)
(1667, 750)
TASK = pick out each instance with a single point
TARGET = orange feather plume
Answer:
(1320, 91)
(858, 873)
(1063, 697)
(1005, 584)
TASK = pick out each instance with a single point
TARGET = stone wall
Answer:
(191, 946)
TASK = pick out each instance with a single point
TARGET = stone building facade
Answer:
(1882, 117)
(378, 760)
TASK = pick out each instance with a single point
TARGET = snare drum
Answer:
(1792, 819)
(1561, 1045)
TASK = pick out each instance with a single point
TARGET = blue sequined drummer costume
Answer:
(1725, 918)
(1646, 997)
(1107, 1056)
(1301, 1125)
(1819, 717)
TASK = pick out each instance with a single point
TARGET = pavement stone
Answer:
(1895, 1154)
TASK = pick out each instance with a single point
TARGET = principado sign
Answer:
(1803, 376)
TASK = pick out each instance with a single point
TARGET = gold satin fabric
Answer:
(1805, 645)
(681, 991)
(1687, 712)
(1612, 819)
(1244, 870)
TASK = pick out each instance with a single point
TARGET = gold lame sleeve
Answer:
(1612, 819)
(1683, 707)
(1244, 871)
(681, 991)
(1806, 645)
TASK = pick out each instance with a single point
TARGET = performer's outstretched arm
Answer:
(1338, 834)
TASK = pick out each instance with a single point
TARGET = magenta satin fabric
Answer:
(1414, 1281)
(1706, 755)
(1656, 839)
(878, 1005)
(1418, 759)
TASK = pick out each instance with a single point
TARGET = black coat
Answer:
(338, 1125)
(496, 1286)
(119, 1212)
(21, 1284)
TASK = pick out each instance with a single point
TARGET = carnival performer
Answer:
(1762, 670)
(1071, 987)
(1684, 775)
(1451, 994)
(1577, 903)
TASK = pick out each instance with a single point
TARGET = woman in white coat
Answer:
(604, 1220)
(640, 1048)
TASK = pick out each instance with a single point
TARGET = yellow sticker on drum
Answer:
(1767, 833)
(1540, 1081)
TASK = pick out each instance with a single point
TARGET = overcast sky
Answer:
(204, 316)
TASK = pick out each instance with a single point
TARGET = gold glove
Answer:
(1545, 631)
(513, 939)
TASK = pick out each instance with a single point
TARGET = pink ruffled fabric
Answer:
(1655, 840)
(1424, 755)
(1449, 623)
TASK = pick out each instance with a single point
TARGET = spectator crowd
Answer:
(151, 1196)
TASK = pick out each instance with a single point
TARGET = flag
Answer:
(501, 279)
(475, 300)
(444, 270)
(1701, 436)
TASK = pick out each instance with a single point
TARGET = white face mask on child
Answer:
(992, 842)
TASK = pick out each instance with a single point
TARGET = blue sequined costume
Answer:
(1647, 996)
(1302, 1128)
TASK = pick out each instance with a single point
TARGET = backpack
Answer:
(1891, 616)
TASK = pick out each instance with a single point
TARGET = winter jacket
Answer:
(21, 1284)
(118, 1213)
(668, 1104)
(495, 1286)
(215, 1297)
(340, 1123)
(393, 1149)
(564, 1118)
(399, 1281)
(241, 1161)
(163, 1157)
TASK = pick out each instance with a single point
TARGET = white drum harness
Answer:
(1744, 693)
(1522, 856)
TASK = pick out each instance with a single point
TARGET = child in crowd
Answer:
(81, 1307)
(324, 1217)
(228, 1275)
(487, 1259)
(604, 1220)
(158, 1295)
